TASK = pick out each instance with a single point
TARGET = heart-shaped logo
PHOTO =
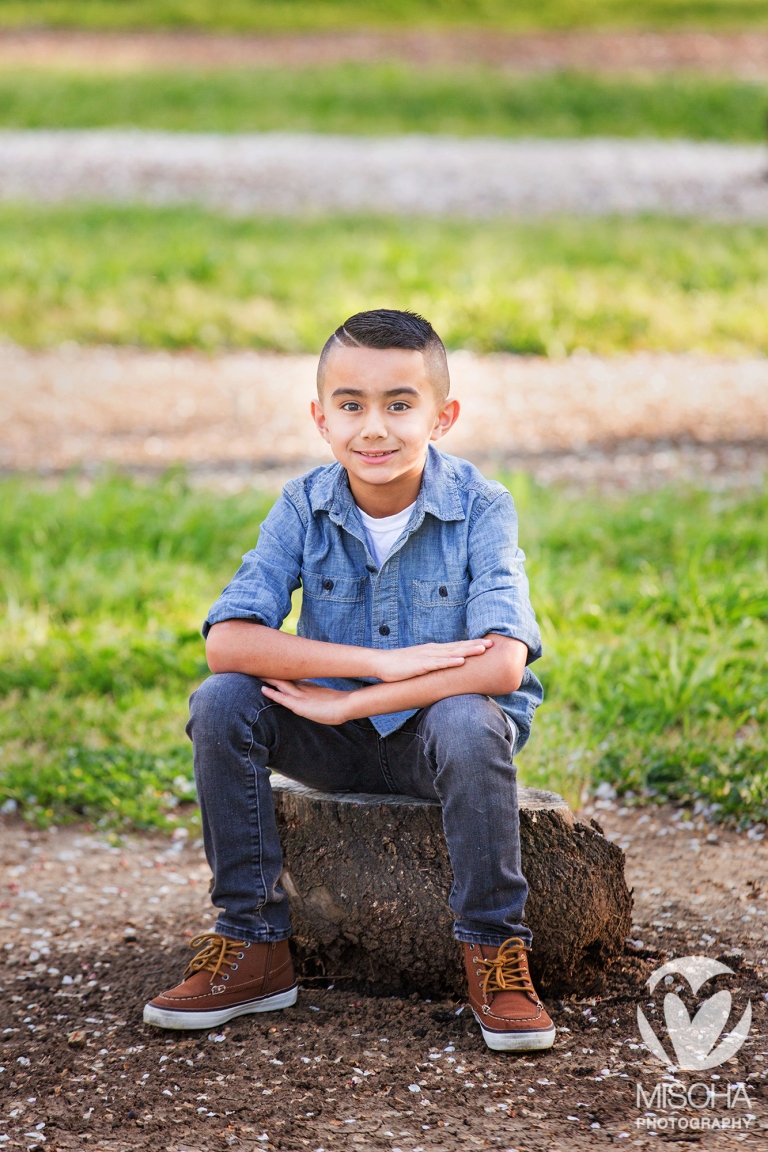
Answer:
(695, 1040)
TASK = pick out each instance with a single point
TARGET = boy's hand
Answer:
(313, 702)
(405, 663)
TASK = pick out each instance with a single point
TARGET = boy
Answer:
(408, 675)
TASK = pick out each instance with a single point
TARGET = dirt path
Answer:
(342, 1070)
(632, 421)
(290, 174)
(744, 54)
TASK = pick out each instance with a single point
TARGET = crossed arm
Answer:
(411, 677)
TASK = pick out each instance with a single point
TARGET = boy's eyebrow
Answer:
(389, 392)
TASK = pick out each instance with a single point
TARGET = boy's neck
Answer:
(379, 500)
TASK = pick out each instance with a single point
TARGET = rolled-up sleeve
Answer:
(498, 598)
(261, 588)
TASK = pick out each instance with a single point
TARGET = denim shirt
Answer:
(455, 572)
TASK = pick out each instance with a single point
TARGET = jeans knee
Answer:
(465, 717)
(215, 707)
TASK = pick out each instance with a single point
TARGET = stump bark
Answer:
(368, 879)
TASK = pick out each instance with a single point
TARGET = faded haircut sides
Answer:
(388, 328)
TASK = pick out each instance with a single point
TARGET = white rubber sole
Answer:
(169, 1018)
(516, 1041)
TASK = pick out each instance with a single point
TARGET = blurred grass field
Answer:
(323, 15)
(181, 277)
(654, 611)
(653, 607)
(390, 98)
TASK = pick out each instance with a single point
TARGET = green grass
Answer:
(310, 15)
(654, 611)
(180, 277)
(389, 98)
(103, 594)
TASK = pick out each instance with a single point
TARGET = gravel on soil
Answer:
(243, 418)
(742, 54)
(286, 173)
(89, 929)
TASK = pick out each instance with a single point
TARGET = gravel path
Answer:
(742, 54)
(409, 175)
(335, 1070)
(632, 421)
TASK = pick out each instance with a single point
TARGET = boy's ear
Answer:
(319, 418)
(445, 419)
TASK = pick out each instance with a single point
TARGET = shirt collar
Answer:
(438, 495)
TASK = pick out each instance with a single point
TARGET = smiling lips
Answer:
(376, 457)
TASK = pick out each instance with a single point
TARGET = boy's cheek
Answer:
(340, 435)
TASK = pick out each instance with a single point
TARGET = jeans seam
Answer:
(384, 765)
(426, 755)
(263, 889)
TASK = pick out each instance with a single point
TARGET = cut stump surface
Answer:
(368, 878)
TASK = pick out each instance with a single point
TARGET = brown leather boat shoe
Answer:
(227, 978)
(511, 1016)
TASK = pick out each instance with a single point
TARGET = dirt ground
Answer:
(744, 54)
(91, 929)
(631, 421)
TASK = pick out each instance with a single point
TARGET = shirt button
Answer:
(384, 629)
(443, 590)
(328, 585)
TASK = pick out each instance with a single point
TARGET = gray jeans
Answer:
(458, 751)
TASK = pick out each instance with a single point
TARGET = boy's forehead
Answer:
(374, 370)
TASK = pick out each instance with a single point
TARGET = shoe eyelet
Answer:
(235, 967)
(240, 956)
(225, 977)
(486, 1009)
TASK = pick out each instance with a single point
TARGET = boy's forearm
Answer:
(495, 673)
(241, 646)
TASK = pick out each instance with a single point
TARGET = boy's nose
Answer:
(375, 428)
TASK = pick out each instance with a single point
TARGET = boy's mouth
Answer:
(376, 457)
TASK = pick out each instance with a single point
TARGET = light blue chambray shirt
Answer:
(455, 572)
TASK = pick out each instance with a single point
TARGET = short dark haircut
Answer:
(388, 328)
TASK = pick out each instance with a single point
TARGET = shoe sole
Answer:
(516, 1041)
(171, 1018)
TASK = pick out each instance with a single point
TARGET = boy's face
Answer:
(379, 412)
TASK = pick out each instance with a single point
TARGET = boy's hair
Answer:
(388, 328)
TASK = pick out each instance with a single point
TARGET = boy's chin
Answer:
(377, 476)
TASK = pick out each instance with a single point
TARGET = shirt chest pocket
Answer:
(332, 608)
(439, 611)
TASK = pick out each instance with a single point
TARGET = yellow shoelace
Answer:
(507, 971)
(217, 951)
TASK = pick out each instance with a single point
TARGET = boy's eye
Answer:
(399, 406)
(351, 406)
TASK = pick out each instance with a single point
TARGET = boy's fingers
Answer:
(472, 645)
(289, 699)
(284, 687)
(288, 702)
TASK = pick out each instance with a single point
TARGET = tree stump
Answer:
(368, 879)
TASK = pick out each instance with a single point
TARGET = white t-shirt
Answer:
(383, 533)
